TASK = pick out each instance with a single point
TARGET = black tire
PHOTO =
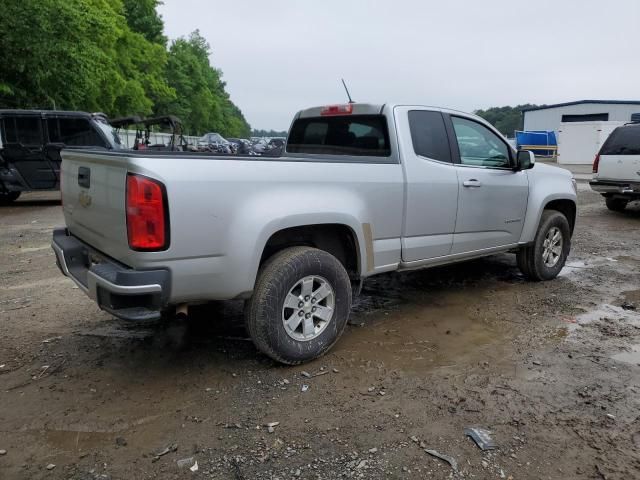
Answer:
(265, 314)
(8, 197)
(616, 204)
(530, 259)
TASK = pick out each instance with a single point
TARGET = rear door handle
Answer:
(472, 183)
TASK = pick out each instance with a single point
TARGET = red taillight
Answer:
(147, 220)
(337, 110)
(596, 163)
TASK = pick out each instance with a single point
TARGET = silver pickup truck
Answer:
(360, 190)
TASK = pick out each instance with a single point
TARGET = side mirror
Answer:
(525, 159)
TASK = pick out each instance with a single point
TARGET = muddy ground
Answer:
(550, 368)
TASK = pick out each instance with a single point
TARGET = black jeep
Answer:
(30, 144)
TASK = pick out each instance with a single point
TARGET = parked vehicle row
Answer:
(359, 190)
(215, 143)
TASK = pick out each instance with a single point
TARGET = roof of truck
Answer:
(367, 109)
(580, 102)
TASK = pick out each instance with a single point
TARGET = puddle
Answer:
(448, 331)
(412, 321)
(576, 267)
(632, 356)
(134, 333)
(608, 311)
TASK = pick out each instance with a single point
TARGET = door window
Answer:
(24, 130)
(429, 135)
(73, 131)
(479, 146)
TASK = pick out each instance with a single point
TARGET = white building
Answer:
(549, 117)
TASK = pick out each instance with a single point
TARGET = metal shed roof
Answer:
(579, 102)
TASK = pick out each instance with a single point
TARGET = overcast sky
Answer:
(279, 56)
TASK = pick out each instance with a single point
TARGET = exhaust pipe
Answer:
(182, 311)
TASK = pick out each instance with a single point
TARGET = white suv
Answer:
(616, 169)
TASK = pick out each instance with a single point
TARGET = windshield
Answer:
(110, 132)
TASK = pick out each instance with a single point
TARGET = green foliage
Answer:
(109, 56)
(506, 119)
(142, 17)
(77, 54)
(202, 102)
(268, 133)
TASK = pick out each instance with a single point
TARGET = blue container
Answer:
(536, 140)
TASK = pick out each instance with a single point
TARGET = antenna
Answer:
(347, 90)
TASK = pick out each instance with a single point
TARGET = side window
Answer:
(429, 135)
(54, 130)
(479, 146)
(24, 130)
(79, 132)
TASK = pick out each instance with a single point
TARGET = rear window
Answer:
(623, 141)
(357, 135)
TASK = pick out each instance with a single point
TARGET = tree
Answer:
(506, 119)
(268, 133)
(143, 18)
(77, 54)
(201, 99)
(109, 56)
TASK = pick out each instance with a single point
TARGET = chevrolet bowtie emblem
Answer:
(84, 199)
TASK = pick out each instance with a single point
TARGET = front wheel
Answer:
(300, 305)
(616, 204)
(544, 259)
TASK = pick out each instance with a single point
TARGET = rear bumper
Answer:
(123, 292)
(616, 187)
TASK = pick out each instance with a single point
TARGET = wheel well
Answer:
(567, 208)
(338, 240)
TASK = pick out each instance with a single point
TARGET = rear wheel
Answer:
(8, 197)
(300, 305)
(544, 259)
(616, 204)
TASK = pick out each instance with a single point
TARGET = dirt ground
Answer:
(552, 369)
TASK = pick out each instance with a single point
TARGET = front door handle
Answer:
(472, 183)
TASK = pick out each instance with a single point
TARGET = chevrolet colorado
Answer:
(359, 190)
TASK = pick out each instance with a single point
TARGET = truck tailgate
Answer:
(619, 167)
(93, 199)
